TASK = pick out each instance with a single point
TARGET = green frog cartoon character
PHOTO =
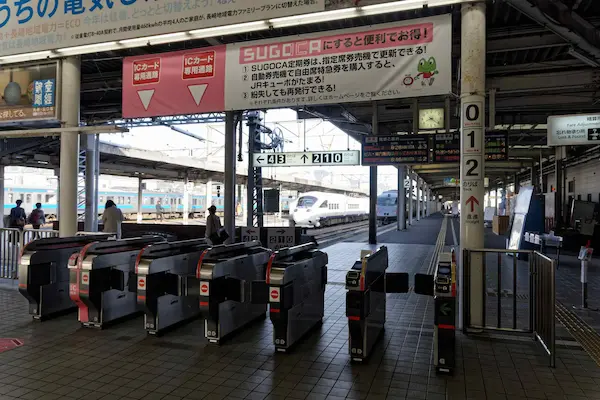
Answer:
(427, 69)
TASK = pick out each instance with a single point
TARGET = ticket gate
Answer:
(226, 273)
(367, 284)
(102, 280)
(44, 275)
(163, 271)
(295, 290)
(442, 286)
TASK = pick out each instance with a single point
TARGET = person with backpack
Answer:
(37, 218)
(17, 216)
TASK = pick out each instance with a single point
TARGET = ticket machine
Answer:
(163, 271)
(44, 275)
(225, 275)
(102, 280)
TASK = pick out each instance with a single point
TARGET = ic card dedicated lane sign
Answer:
(309, 158)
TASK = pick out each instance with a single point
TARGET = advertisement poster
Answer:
(28, 93)
(401, 59)
(52, 24)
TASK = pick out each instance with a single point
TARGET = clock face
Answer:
(432, 118)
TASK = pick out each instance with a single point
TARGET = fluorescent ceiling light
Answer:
(314, 18)
(583, 58)
(230, 29)
(88, 48)
(153, 40)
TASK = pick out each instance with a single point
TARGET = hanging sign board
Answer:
(446, 146)
(568, 130)
(398, 149)
(306, 159)
(451, 182)
(28, 93)
(397, 60)
(496, 146)
(52, 24)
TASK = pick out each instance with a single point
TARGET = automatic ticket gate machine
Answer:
(102, 280)
(225, 275)
(367, 283)
(295, 290)
(44, 275)
(442, 286)
(163, 271)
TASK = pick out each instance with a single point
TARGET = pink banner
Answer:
(183, 82)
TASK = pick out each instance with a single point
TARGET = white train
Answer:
(317, 209)
(387, 206)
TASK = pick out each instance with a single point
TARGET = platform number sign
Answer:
(327, 158)
(279, 238)
(250, 234)
(276, 159)
(472, 125)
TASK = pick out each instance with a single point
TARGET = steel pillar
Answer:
(69, 145)
(185, 203)
(2, 201)
(208, 201)
(140, 200)
(255, 188)
(472, 171)
(410, 197)
(91, 183)
(373, 183)
(559, 187)
(418, 198)
(230, 162)
(401, 221)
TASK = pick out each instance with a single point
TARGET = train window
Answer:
(120, 200)
(128, 199)
(28, 198)
(10, 197)
(101, 199)
(151, 200)
(179, 200)
(571, 186)
(307, 201)
(38, 198)
(589, 197)
(386, 201)
(48, 197)
(110, 198)
(194, 202)
(324, 205)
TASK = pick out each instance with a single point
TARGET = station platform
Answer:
(60, 360)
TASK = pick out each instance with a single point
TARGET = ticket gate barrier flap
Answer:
(225, 274)
(294, 288)
(44, 275)
(163, 274)
(102, 280)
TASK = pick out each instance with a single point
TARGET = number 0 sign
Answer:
(473, 115)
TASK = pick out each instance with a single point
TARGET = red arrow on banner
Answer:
(472, 200)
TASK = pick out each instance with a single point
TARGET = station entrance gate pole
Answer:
(472, 156)
(69, 145)
(230, 174)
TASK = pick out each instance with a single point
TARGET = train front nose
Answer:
(302, 216)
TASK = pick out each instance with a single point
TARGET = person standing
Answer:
(17, 216)
(112, 218)
(159, 211)
(37, 218)
(213, 225)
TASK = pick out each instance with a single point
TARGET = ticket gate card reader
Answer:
(163, 271)
(102, 280)
(44, 275)
(295, 290)
(225, 274)
(442, 286)
(367, 284)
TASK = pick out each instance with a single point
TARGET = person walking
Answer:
(112, 218)
(17, 216)
(37, 218)
(213, 225)
(159, 211)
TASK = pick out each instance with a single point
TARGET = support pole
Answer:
(401, 221)
(2, 201)
(140, 200)
(558, 185)
(492, 112)
(373, 184)
(230, 160)
(69, 145)
(208, 200)
(418, 198)
(410, 197)
(91, 184)
(186, 201)
(472, 171)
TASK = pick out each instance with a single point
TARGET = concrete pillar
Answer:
(410, 197)
(140, 200)
(208, 200)
(187, 186)
(418, 198)
(230, 162)
(373, 184)
(2, 200)
(401, 222)
(69, 145)
(472, 171)
(91, 183)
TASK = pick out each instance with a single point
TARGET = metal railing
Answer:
(531, 282)
(12, 242)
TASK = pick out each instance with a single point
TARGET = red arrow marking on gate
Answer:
(472, 200)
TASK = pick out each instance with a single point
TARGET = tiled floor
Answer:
(60, 360)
